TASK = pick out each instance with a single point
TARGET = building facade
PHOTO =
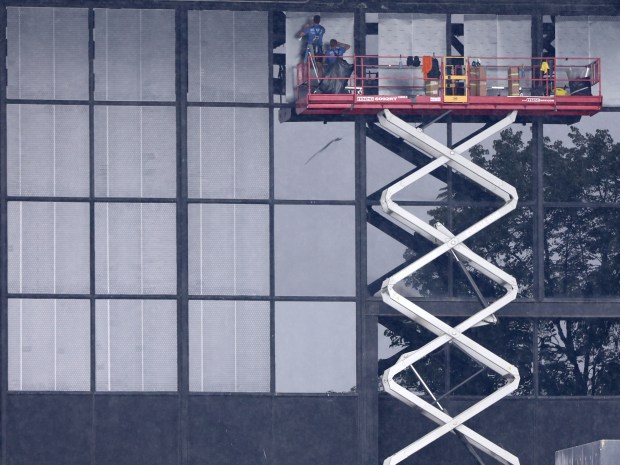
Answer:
(190, 274)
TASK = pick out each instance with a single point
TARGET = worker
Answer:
(314, 37)
(336, 49)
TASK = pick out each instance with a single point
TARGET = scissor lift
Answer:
(448, 242)
(497, 94)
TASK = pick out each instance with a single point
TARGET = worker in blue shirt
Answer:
(336, 49)
(314, 37)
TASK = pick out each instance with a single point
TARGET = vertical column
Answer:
(366, 326)
(181, 84)
(539, 212)
(272, 272)
(91, 195)
(3, 232)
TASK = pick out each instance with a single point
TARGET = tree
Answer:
(581, 258)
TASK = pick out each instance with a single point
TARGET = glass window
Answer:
(398, 336)
(315, 347)
(508, 155)
(582, 252)
(384, 255)
(134, 55)
(47, 54)
(48, 247)
(389, 159)
(507, 244)
(579, 357)
(135, 151)
(511, 340)
(228, 56)
(582, 162)
(228, 153)
(48, 150)
(49, 345)
(229, 249)
(314, 161)
(136, 345)
(430, 280)
(315, 250)
(229, 346)
(135, 247)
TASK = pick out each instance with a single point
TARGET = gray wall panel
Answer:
(593, 37)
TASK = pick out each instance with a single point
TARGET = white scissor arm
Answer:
(446, 241)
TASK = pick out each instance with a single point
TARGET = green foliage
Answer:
(581, 250)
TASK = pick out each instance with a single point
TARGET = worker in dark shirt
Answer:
(314, 37)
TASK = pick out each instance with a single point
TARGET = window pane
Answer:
(579, 357)
(430, 280)
(229, 346)
(508, 155)
(398, 336)
(47, 150)
(507, 244)
(511, 340)
(582, 256)
(314, 161)
(228, 56)
(135, 54)
(314, 250)
(135, 247)
(315, 347)
(135, 151)
(48, 247)
(384, 167)
(229, 249)
(581, 161)
(228, 153)
(49, 345)
(136, 345)
(47, 54)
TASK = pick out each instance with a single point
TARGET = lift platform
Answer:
(484, 86)
(499, 91)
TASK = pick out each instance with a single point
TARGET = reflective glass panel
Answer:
(507, 244)
(315, 347)
(47, 53)
(49, 345)
(398, 336)
(579, 357)
(228, 153)
(48, 150)
(314, 161)
(136, 345)
(229, 346)
(508, 155)
(135, 248)
(48, 247)
(389, 159)
(229, 249)
(134, 54)
(510, 339)
(582, 252)
(135, 151)
(432, 280)
(228, 56)
(314, 250)
(582, 162)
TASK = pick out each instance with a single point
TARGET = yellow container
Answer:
(560, 91)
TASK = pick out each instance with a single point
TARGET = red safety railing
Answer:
(473, 77)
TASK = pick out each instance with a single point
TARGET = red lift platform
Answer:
(485, 86)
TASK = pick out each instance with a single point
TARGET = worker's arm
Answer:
(343, 45)
(303, 30)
